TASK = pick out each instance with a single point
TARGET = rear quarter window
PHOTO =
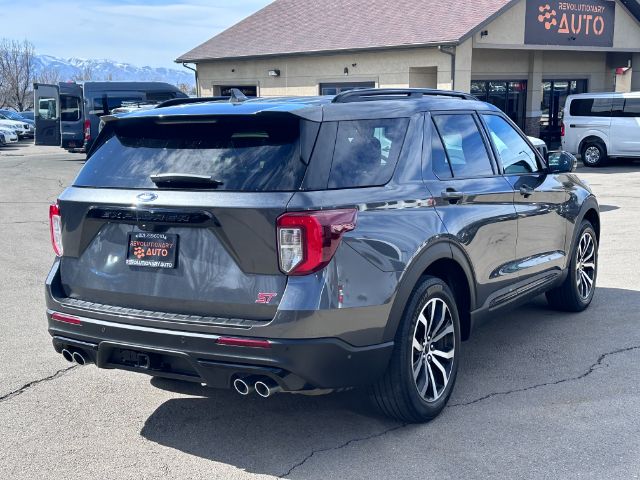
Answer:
(244, 153)
(590, 107)
(366, 152)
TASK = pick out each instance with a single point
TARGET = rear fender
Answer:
(409, 280)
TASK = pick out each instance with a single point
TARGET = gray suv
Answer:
(297, 244)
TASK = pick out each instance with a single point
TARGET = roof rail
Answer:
(183, 101)
(370, 94)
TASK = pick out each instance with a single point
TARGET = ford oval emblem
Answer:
(147, 197)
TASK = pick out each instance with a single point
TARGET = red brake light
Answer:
(55, 228)
(562, 129)
(87, 130)
(307, 241)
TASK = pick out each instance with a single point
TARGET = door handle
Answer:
(452, 195)
(526, 191)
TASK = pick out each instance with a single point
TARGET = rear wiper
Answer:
(184, 180)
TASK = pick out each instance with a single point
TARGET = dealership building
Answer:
(525, 56)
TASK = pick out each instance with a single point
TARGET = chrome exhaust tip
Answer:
(242, 387)
(78, 358)
(68, 356)
(267, 387)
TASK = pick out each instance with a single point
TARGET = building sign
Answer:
(580, 23)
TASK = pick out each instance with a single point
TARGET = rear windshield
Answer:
(243, 153)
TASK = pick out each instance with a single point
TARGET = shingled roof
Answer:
(302, 26)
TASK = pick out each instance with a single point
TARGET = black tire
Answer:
(397, 394)
(568, 296)
(593, 153)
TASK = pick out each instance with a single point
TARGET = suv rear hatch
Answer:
(175, 216)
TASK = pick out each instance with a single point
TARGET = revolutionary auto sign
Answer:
(587, 23)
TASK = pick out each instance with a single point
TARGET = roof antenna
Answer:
(236, 96)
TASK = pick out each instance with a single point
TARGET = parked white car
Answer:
(7, 136)
(540, 146)
(598, 126)
(22, 129)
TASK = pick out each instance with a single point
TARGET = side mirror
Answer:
(562, 162)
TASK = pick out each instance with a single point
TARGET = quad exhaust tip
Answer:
(263, 386)
(242, 387)
(267, 387)
(78, 358)
(73, 356)
(68, 356)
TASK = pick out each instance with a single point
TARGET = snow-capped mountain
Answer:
(79, 69)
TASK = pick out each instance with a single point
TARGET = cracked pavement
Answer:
(540, 394)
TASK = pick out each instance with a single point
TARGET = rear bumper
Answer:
(294, 364)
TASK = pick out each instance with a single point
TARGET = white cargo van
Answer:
(602, 125)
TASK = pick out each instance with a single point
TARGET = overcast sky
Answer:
(142, 32)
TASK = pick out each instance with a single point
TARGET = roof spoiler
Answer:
(236, 97)
(372, 94)
(185, 101)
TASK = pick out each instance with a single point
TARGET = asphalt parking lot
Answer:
(540, 394)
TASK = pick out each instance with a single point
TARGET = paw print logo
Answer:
(138, 252)
(547, 16)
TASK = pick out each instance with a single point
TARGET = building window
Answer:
(510, 96)
(225, 90)
(554, 96)
(336, 88)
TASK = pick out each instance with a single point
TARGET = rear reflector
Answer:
(61, 317)
(243, 342)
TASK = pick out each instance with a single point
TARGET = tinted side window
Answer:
(439, 160)
(69, 108)
(103, 105)
(366, 152)
(590, 107)
(463, 143)
(515, 153)
(632, 107)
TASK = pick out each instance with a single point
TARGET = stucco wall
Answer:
(507, 30)
(301, 75)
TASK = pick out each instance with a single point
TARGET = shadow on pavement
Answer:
(530, 346)
(613, 165)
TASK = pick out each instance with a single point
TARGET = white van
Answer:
(602, 125)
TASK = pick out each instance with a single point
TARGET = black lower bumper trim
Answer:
(294, 364)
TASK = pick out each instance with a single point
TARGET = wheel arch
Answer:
(593, 137)
(588, 211)
(444, 260)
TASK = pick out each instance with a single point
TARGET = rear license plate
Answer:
(155, 250)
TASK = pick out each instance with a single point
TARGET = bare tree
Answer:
(84, 76)
(16, 73)
(48, 75)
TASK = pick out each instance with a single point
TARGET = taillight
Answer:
(307, 241)
(55, 228)
(562, 129)
(87, 130)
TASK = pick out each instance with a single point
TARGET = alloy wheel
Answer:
(586, 265)
(592, 155)
(433, 350)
